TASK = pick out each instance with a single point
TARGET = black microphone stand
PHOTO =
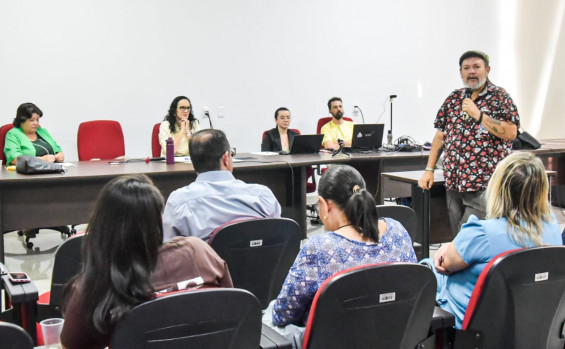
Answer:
(389, 134)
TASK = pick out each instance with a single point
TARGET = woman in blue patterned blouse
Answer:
(356, 236)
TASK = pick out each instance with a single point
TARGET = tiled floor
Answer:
(38, 262)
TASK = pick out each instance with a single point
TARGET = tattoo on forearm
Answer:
(492, 124)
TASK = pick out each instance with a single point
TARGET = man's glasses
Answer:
(233, 152)
(185, 108)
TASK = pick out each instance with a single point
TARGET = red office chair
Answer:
(373, 306)
(321, 123)
(29, 233)
(310, 186)
(155, 145)
(259, 253)
(3, 130)
(518, 302)
(101, 140)
(209, 318)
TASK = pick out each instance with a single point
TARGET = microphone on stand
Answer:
(207, 114)
(340, 150)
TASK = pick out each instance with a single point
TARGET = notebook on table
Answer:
(367, 137)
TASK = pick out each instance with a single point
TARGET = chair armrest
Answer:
(271, 339)
(441, 319)
(23, 297)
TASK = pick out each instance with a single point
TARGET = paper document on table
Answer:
(268, 153)
(185, 159)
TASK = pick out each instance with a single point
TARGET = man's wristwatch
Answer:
(430, 169)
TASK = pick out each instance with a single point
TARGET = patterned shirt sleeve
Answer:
(504, 108)
(444, 112)
(298, 290)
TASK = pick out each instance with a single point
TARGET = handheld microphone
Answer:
(468, 94)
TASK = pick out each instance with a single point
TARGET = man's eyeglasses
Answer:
(185, 108)
(232, 152)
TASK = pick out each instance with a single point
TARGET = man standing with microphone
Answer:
(475, 128)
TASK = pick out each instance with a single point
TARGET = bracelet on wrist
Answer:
(431, 169)
(480, 121)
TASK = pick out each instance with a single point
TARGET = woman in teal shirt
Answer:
(29, 138)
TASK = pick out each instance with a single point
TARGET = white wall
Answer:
(126, 60)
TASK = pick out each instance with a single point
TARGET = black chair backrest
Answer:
(68, 263)
(401, 213)
(210, 318)
(14, 337)
(259, 253)
(373, 306)
(519, 300)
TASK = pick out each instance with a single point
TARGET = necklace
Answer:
(343, 226)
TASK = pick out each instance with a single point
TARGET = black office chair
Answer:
(210, 318)
(373, 306)
(518, 302)
(68, 263)
(14, 337)
(259, 253)
(407, 217)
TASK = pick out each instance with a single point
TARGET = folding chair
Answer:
(210, 318)
(259, 253)
(518, 302)
(373, 306)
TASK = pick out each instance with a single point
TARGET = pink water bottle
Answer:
(170, 151)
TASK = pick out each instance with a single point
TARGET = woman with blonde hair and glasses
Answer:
(518, 216)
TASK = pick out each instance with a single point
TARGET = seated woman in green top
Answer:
(29, 138)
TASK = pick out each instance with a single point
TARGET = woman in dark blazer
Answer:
(281, 137)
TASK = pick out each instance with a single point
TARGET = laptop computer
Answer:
(306, 144)
(367, 136)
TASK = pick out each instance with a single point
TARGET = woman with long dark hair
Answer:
(179, 124)
(125, 263)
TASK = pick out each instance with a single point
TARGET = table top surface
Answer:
(243, 162)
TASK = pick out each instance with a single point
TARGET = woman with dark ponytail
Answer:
(356, 236)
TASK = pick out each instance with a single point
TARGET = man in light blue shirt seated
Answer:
(216, 197)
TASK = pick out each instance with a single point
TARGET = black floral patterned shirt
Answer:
(470, 152)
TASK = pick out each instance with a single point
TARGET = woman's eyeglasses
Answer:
(185, 108)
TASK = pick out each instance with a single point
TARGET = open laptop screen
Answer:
(306, 144)
(367, 136)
